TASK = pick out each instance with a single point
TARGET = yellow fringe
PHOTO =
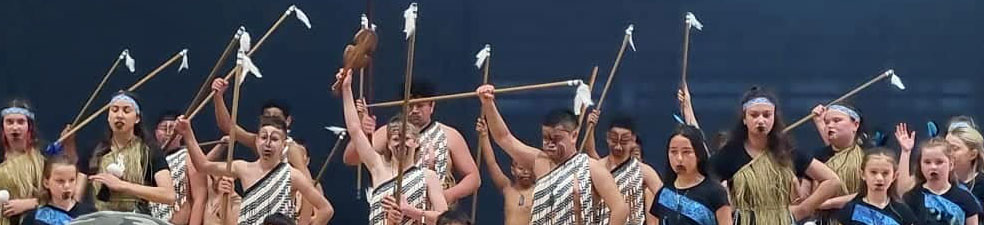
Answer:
(846, 163)
(21, 177)
(134, 160)
(763, 188)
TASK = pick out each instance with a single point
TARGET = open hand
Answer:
(906, 138)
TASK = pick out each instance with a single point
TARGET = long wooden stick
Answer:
(686, 53)
(608, 84)
(406, 111)
(584, 110)
(838, 100)
(207, 143)
(324, 165)
(132, 88)
(362, 95)
(232, 135)
(96, 92)
(205, 86)
(256, 46)
(478, 155)
(472, 94)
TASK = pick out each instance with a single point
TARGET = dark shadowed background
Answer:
(54, 53)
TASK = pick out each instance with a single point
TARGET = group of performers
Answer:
(421, 169)
(755, 175)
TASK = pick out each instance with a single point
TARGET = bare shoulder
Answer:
(646, 168)
(450, 130)
(240, 167)
(295, 145)
(295, 175)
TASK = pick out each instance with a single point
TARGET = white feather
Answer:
(692, 20)
(582, 98)
(184, 60)
(336, 130)
(483, 55)
(410, 19)
(130, 63)
(300, 16)
(245, 41)
(896, 80)
(574, 82)
(239, 32)
(4, 196)
(628, 31)
(247, 66)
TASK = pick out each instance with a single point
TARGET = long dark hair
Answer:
(103, 147)
(700, 149)
(871, 154)
(32, 128)
(779, 145)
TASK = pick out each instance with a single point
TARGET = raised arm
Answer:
(907, 140)
(352, 123)
(589, 141)
(224, 119)
(818, 112)
(198, 159)
(828, 188)
(604, 185)
(499, 178)
(464, 165)
(687, 106)
(350, 156)
(520, 153)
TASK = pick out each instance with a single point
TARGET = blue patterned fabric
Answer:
(943, 209)
(867, 215)
(687, 207)
(52, 216)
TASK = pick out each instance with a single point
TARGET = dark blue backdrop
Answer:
(54, 53)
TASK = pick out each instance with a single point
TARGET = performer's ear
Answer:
(289, 120)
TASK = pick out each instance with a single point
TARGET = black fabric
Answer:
(708, 193)
(897, 211)
(731, 158)
(157, 163)
(976, 187)
(77, 210)
(823, 154)
(960, 196)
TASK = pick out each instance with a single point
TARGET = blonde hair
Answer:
(974, 141)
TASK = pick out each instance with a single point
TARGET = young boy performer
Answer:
(517, 193)
(423, 197)
(442, 148)
(567, 182)
(268, 181)
(635, 180)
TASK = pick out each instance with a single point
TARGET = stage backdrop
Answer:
(54, 53)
